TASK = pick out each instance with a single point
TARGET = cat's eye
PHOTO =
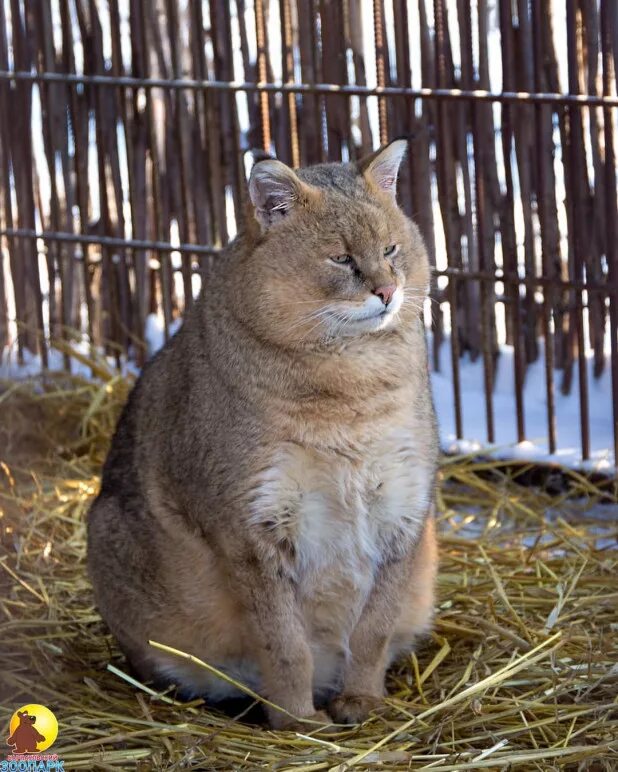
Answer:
(391, 250)
(342, 259)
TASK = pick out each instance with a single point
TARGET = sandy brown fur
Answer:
(257, 431)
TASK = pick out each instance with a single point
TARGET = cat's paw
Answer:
(319, 721)
(354, 708)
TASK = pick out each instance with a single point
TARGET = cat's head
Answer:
(333, 256)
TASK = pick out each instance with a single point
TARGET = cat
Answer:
(267, 501)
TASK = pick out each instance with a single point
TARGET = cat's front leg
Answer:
(281, 646)
(363, 684)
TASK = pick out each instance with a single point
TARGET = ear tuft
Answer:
(274, 190)
(382, 167)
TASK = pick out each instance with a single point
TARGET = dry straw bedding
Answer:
(521, 672)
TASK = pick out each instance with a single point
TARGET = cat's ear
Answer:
(382, 167)
(274, 191)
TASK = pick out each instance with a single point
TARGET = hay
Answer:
(521, 672)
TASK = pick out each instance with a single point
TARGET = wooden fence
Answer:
(124, 128)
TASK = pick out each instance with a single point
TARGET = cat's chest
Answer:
(342, 511)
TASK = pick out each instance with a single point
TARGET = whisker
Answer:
(298, 303)
(343, 321)
(323, 315)
(321, 312)
(407, 294)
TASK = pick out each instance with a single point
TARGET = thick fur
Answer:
(266, 501)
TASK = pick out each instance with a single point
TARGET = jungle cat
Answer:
(266, 504)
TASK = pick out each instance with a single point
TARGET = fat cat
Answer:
(266, 504)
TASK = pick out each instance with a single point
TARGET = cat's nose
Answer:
(385, 293)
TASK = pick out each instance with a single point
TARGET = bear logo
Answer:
(25, 737)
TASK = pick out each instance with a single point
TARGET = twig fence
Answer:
(124, 128)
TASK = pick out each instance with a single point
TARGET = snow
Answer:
(154, 332)
(535, 412)
(154, 335)
(535, 448)
(599, 517)
(10, 367)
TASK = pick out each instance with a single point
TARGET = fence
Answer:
(124, 126)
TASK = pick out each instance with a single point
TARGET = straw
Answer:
(520, 672)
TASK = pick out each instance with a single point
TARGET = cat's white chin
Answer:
(372, 316)
(363, 325)
(371, 324)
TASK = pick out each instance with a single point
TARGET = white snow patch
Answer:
(505, 445)
(535, 412)
(11, 368)
(154, 332)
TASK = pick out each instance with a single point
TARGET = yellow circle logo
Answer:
(33, 729)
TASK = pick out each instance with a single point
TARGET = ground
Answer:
(520, 673)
